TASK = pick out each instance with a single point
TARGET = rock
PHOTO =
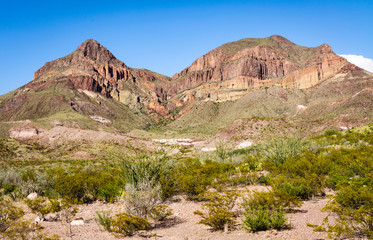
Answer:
(301, 107)
(208, 149)
(23, 132)
(32, 196)
(100, 119)
(38, 220)
(77, 222)
(244, 144)
(52, 217)
(158, 108)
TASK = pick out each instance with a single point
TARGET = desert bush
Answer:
(8, 214)
(353, 205)
(126, 224)
(193, 177)
(331, 132)
(296, 187)
(219, 210)
(10, 179)
(262, 219)
(160, 212)
(12, 226)
(256, 219)
(86, 184)
(43, 206)
(257, 200)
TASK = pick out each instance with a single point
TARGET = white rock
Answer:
(25, 132)
(51, 217)
(208, 149)
(38, 220)
(244, 144)
(301, 107)
(77, 222)
(32, 196)
(100, 119)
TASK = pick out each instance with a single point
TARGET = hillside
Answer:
(310, 88)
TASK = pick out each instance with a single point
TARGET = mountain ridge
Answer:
(91, 81)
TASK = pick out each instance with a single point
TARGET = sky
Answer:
(167, 36)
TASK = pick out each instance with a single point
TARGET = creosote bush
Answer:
(160, 212)
(43, 206)
(262, 219)
(12, 226)
(218, 210)
(123, 223)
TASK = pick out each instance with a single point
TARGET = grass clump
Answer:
(278, 151)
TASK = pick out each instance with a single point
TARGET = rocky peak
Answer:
(325, 49)
(95, 51)
(280, 39)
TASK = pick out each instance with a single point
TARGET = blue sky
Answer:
(167, 36)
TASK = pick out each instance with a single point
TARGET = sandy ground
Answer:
(183, 224)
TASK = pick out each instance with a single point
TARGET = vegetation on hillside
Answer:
(293, 168)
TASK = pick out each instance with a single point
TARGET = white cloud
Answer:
(360, 61)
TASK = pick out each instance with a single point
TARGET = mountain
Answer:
(270, 78)
(310, 88)
(256, 63)
(87, 85)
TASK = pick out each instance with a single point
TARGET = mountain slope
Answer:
(88, 82)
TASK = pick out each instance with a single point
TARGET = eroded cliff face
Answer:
(94, 68)
(228, 72)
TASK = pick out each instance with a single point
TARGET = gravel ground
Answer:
(183, 224)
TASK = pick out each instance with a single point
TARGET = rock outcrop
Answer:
(228, 72)
(94, 68)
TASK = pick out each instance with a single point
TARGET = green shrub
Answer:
(353, 205)
(10, 179)
(256, 219)
(193, 177)
(127, 225)
(296, 187)
(278, 219)
(8, 214)
(86, 184)
(160, 212)
(331, 132)
(219, 210)
(43, 206)
(262, 219)
(258, 200)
